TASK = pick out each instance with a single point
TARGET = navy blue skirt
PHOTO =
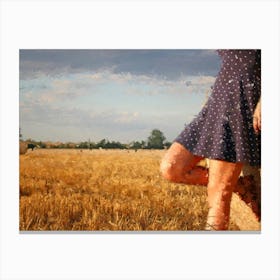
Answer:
(224, 127)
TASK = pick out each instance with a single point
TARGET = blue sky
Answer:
(120, 95)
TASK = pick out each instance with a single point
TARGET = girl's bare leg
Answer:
(179, 166)
(223, 177)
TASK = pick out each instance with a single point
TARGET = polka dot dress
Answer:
(224, 127)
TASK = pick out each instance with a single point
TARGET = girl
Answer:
(226, 131)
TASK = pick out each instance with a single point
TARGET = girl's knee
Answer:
(176, 162)
(169, 170)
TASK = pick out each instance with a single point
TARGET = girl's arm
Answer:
(257, 118)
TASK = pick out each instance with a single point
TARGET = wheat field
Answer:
(105, 190)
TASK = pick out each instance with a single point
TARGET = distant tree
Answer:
(156, 140)
(112, 145)
(83, 145)
(61, 146)
(167, 144)
(136, 145)
(31, 146)
(143, 144)
(42, 145)
(102, 144)
(92, 145)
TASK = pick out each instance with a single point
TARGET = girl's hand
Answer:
(257, 118)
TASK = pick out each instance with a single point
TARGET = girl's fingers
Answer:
(257, 124)
(257, 118)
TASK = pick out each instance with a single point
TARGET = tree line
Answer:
(156, 140)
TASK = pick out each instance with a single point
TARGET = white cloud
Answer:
(71, 87)
(126, 117)
(35, 63)
(142, 84)
(58, 104)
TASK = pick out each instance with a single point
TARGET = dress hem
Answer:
(215, 158)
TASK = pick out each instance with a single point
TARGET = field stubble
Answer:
(105, 190)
